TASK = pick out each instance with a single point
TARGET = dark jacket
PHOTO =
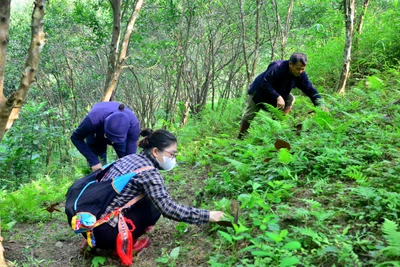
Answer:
(93, 124)
(278, 81)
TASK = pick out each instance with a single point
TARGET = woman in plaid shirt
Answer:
(159, 152)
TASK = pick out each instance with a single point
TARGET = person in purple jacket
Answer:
(273, 87)
(108, 123)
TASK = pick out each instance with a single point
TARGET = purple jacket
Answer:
(93, 123)
(278, 81)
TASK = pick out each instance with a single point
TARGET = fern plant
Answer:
(392, 236)
(357, 175)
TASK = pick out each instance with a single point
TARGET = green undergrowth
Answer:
(35, 201)
(325, 194)
(326, 200)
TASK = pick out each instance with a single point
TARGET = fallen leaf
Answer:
(52, 207)
(267, 159)
(281, 144)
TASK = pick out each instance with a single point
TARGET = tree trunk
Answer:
(9, 108)
(360, 21)
(274, 30)
(256, 41)
(185, 112)
(212, 52)
(3, 262)
(361, 17)
(113, 76)
(349, 17)
(114, 46)
(5, 108)
(183, 46)
(243, 36)
(285, 34)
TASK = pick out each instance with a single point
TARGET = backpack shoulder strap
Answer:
(142, 169)
(139, 197)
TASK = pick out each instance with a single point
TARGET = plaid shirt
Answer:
(150, 183)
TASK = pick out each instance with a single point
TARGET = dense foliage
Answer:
(331, 199)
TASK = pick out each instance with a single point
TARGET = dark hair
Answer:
(121, 107)
(296, 57)
(160, 139)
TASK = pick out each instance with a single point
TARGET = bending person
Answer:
(107, 123)
(159, 151)
(274, 85)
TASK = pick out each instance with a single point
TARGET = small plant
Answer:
(181, 228)
(98, 261)
(169, 259)
(32, 262)
(392, 236)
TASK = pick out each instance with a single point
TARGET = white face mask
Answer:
(168, 163)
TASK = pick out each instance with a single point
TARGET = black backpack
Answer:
(89, 197)
(88, 194)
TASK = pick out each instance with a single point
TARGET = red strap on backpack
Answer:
(125, 240)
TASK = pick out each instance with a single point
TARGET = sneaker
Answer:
(141, 244)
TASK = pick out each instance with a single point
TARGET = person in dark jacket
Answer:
(107, 123)
(274, 85)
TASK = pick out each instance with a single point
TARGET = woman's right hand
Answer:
(216, 216)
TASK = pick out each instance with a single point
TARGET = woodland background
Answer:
(185, 66)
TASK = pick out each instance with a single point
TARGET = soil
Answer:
(53, 244)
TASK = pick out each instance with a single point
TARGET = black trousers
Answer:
(142, 214)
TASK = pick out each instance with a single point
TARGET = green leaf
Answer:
(35, 156)
(252, 202)
(175, 253)
(226, 236)
(284, 156)
(247, 249)
(292, 245)
(333, 249)
(256, 186)
(244, 198)
(259, 253)
(283, 233)
(275, 237)
(98, 260)
(290, 261)
(239, 228)
(240, 237)
(163, 259)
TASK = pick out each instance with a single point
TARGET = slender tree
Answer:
(285, 33)
(118, 52)
(349, 12)
(360, 22)
(3, 262)
(243, 37)
(11, 106)
(256, 40)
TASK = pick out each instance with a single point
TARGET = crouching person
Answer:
(159, 150)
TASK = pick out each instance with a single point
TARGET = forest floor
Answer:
(53, 244)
